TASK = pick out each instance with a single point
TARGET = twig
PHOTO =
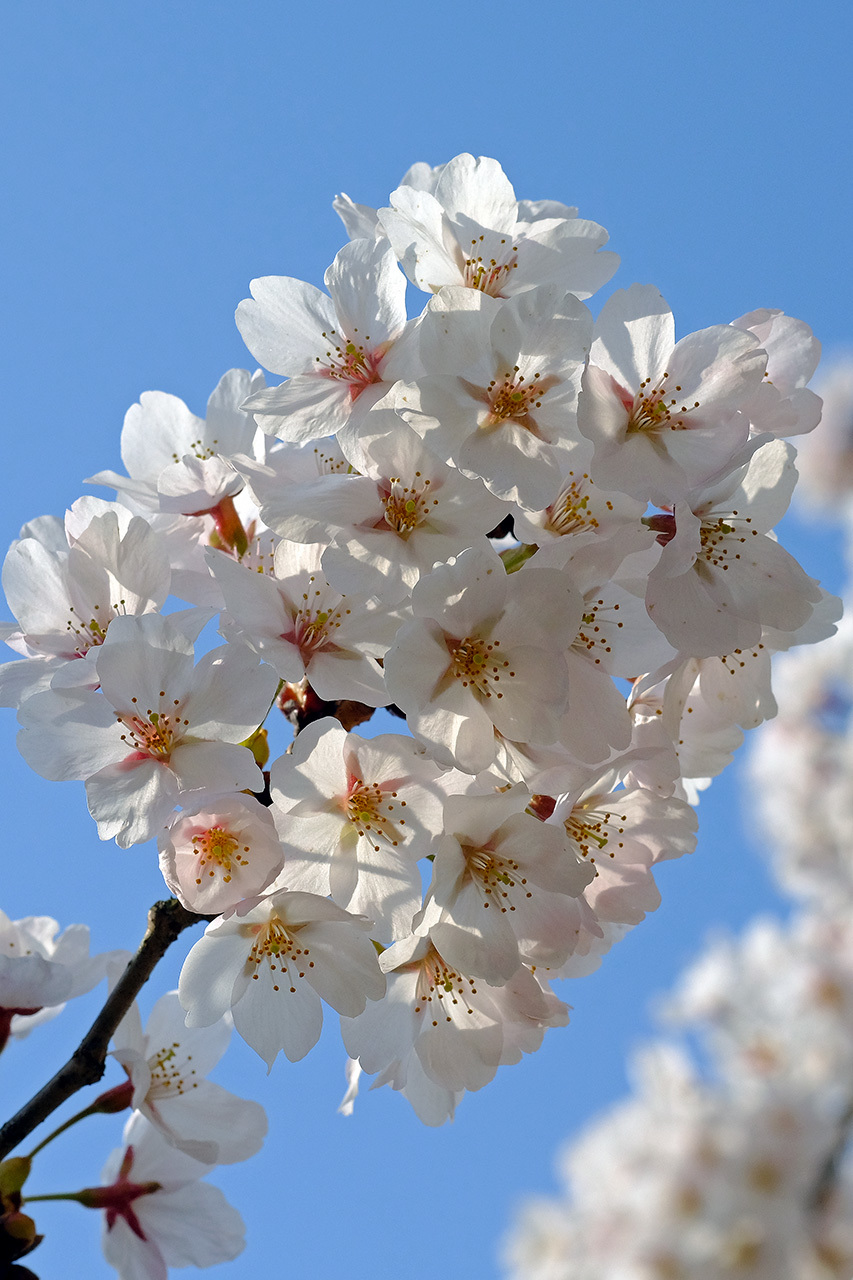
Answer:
(166, 920)
(827, 1179)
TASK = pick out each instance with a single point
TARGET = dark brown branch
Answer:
(166, 920)
(827, 1180)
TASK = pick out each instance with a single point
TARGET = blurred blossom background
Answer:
(156, 159)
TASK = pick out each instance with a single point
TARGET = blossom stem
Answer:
(166, 921)
(117, 1099)
(57, 1195)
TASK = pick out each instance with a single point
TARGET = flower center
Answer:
(441, 991)
(489, 275)
(718, 543)
(166, 1077)
(348, 361)
(198, 449)
(592, 830)
(570, 513)
(592, 637)
(275, 946)
(219, 847)
(512, 397)
(314, 625)
(497, 877)
(406, 506)
(368, 809)
(89, 634)
(477, 664)
(155, 734)
(655, 409)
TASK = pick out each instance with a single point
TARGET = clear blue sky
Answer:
(156, 158)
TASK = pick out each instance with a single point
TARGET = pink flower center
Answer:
(489, 275)
(348, 361)
(218, 851)
(275, 945)
(155, 734)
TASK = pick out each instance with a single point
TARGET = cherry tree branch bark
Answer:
(166, 921)
(827, 1180)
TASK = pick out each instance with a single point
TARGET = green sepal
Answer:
(515, 557)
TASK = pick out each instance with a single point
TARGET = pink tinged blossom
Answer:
(157, 1214)
(39, 971)
(453, 1027)
(218, 851)
(581, 511)
(167, 1066)
(305, 628)
(620, 835)
(159, 726)
(464, 226)
(664, 417)
(721, 578)
(341, 354)
(483, 653)
(65, 591)
(783, 405)
(687, 740)
(390, 525)
(162, 438)
(271, 962)
(500, 393)
(355, 815)
(503, 888)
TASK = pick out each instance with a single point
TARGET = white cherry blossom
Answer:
(66, 589)
(664, 416)
(483, 653)
(355, 816)
(501, 387)
(271, 961)
(341, 354)
(157, 1212)
(461, 224)
(496, 858)
(167, 1065)
(304, 627)
(157, 727)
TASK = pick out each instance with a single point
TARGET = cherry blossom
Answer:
(157, 1212)
(462, 225)
(218, 851)
(480, 655)
(254, 962)
(157, 727)
(355, 816)
(39, 971)
(341, 354)
(167, 1065)
(664, 416)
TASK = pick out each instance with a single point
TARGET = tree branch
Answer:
(166, 921)
(827, 1179)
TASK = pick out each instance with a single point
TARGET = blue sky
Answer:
(156, 159)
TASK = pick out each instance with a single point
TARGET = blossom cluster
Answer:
(736, 1161)
(736, 1174)
(542, 539)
